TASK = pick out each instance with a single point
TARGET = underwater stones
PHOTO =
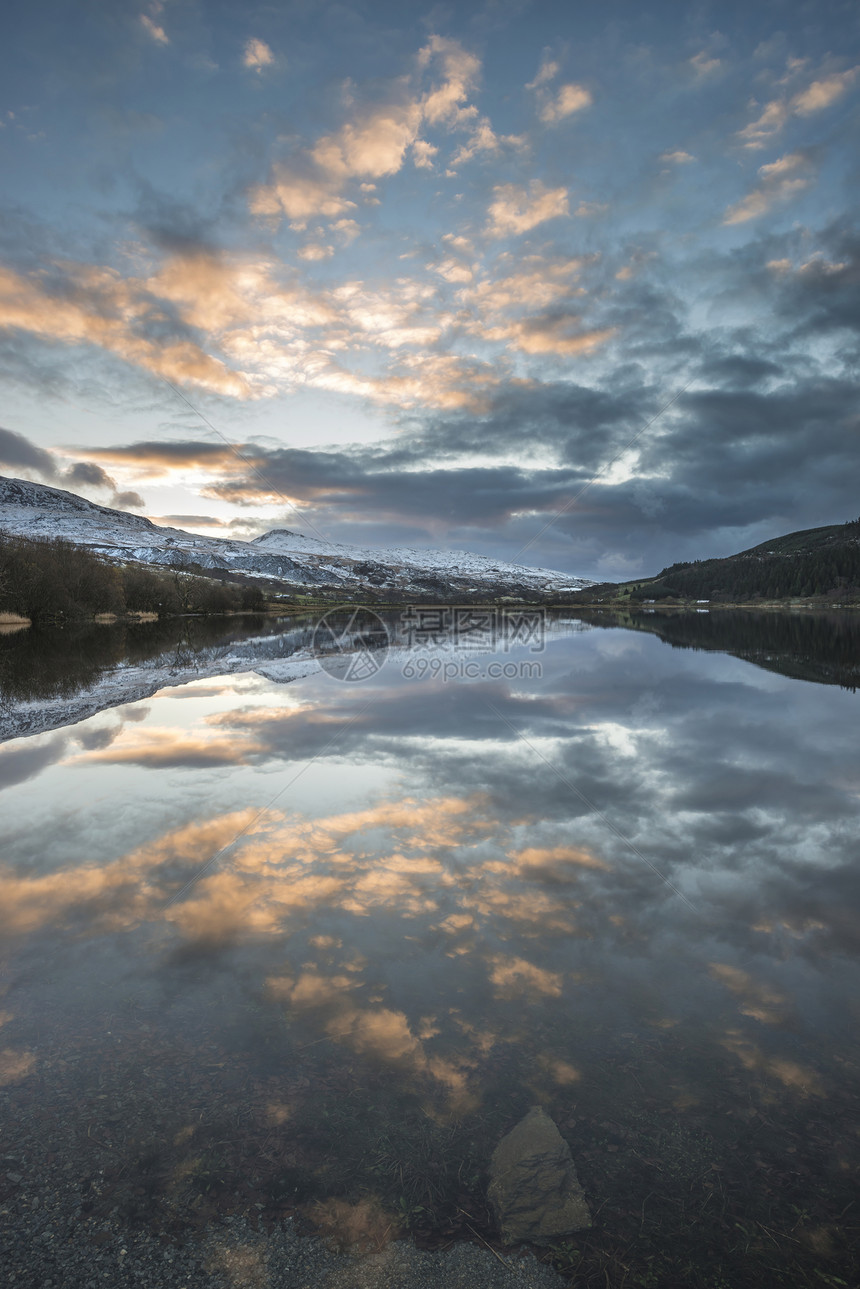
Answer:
(534, 1189)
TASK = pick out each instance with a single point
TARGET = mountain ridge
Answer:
(291, 560)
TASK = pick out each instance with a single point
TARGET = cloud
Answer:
(257, 55)
(155, 458)
(374, 143)
(703, 65)
(526, 310)
(17, 452)
(274, 334)
(586, 209)
(265, 334)
(677, 158)
(345, 230)
(555, 865)
(152, 29)
(465, 476)
(483, 139)
(444, 103)
(821, 94)
(775, 171)
(118, 893)
(817, 96)
(773, 117)
(540, 282)
(247, 326)
(518, 978)
(128, 501)
(372, 147)
(562, 335)
(516, 209)
(189, 521)
(454, 271)
(97, 306)
(86, 474)
(569, 99)
(423, 154)
(554, 106)
(155, 749)
(314, 251)
(780, 182)
(547, 72)
(25, 760)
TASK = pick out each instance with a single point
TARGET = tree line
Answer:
(55, 580)
(832, 571)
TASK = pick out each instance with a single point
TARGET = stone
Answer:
(534, 1189)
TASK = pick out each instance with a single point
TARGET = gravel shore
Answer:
(44, 1246)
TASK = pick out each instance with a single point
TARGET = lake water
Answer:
(271, 943)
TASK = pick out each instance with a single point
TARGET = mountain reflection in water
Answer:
(270, 945)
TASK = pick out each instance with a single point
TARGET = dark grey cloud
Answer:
(824, 296)
(128, 501)
(172, 225)
(739, 371)
(357, 489)
(27, 760)
(87, 474)
(96, 738)
(17, 452)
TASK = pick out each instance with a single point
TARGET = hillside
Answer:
(814, 563)
(289, 563)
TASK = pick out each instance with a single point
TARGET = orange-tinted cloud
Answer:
(567, 100)
(780, 180)
(375, 141)
(113, 894)
(159, 748)
(516, 209)
(518, 978)
(99, 307)
(257, 55)
(817, 96)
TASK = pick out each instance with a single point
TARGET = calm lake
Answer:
(275, 935)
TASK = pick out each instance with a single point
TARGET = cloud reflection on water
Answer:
(475, 884)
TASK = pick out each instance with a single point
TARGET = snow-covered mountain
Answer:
(296, 561)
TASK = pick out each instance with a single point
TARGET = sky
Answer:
(565, 284)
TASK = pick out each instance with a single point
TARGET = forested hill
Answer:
(817, 562)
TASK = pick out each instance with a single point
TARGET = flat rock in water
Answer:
(534, 1188)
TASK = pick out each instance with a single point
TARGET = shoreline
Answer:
(13, 622)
